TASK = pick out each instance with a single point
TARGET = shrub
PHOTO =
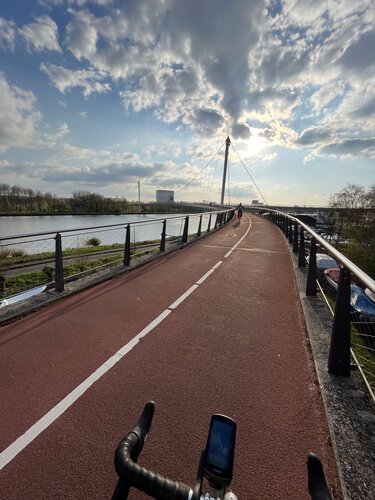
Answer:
(93, 242)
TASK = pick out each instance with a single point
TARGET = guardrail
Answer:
(347, 290)
(30, 263)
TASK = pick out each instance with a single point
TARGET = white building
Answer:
(164, 196)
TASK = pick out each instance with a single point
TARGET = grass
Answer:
(10, 256)
(25, 281)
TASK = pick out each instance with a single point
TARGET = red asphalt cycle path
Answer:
(237, 345)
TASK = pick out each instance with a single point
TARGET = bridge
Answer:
(217, 315)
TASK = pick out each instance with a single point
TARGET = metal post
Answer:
(186, 229)
(295, 238)
(126, 260)
(216, 221)
(339, 352)
(290, 231)
(199, 226)
(209, 224)
(59, 270)
(227, 142)
(301, 253)
(311, 274)
(163, 233)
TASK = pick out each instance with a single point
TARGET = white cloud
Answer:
(89, 80)
(18, 116)
(41, 35)
(7, 34)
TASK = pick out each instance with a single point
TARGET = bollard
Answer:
(295, 238)
(59, 270)
(311, 274)
(209, 224)
(186, 229)
(339, 352)
(301, 253)
(126, 260)
(163, 234)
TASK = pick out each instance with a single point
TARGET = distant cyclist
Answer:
(240, 210)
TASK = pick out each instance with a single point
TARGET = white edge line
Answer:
(19, 444)
(239, 241)
(217, 264)
(183, 297)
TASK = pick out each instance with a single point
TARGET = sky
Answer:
(98, 94)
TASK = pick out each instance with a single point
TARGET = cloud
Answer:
(314, 135)
(350, 147)
(88, 80)
(41, 35)
(207, 121)
(18, 116)
(7, 34)
(241, 131)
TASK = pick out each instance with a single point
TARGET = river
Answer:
(145, 229)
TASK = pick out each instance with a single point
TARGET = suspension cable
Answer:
(192, 180)
(228, 184)
(255, 184)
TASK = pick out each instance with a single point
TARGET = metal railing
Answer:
(36, 261)
(347, 290)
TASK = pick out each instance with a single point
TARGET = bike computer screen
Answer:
(219, 456)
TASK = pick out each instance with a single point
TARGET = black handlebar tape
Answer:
(318, 488)
(142, 427)
(150, 483)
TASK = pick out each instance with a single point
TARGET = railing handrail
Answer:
(365, 278)
(122, 224)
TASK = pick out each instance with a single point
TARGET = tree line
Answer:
(20, 200)
(350, 225)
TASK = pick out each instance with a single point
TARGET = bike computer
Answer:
(219, 453)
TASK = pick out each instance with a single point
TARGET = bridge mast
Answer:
(227, 142)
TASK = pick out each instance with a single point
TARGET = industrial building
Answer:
(164, 196)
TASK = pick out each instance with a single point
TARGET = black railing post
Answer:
(163, 234)
(216, 221)
(311, 274)
(290, 231)
(301, 252)
(295, 238)
(186, 229)
(209, 224)
(59, 270)
(285, 227)
(339, 352)
(199, 226)
(126, 260)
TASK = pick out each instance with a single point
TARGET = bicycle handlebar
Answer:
(133, 475)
